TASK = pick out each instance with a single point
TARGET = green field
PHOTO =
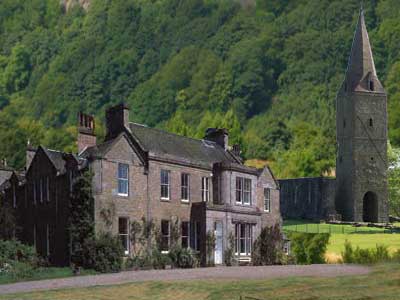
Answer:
(382, 284)
(363, 237)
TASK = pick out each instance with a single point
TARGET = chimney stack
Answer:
(117, 120)
(86, 135)
(219, 136)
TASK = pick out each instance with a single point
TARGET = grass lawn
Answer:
(363, 237)
(43, 273)
(382, 284)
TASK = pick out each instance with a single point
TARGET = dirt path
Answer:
(233, 273)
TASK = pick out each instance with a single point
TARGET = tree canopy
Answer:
(267, 70)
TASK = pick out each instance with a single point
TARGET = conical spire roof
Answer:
(361, 67)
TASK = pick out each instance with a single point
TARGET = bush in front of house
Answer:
(17, 260)
(183, 257)
(309, 248)
(103, 253)
(367, 256)
(267, 248)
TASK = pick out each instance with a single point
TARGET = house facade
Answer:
(142, 173)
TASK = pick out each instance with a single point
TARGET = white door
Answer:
(218, 243)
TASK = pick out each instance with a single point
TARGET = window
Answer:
(47, 240)
(239, 189)
(40, 182)
(247, 191)
(371, 122)
(267, 199)
(243, 190)
(71, 183)
(165, 182)
(34, 192)
(371, 85)
(34, 236)
(165, 235)
(195, 235)
(185, 234)
(344, 123)
(243, 239)
(14, 196)
(185, 187)
(205, 189)
(123, 180)
(123, 232)
(44, 188)
(48, 189)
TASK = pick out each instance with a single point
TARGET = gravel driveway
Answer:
(234, 273)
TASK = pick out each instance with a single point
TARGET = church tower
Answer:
(361, 130)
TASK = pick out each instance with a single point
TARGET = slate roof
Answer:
(56, 157)
(161, 144)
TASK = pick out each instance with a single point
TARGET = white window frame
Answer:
(243, 191)
(185, 186)
(247, 239)
(165, 236)
(267, 199)
(239, 190)
(186, 237)
(166, 184)
(205, 189)
(124, 180)
(247, 191)
(124, 235)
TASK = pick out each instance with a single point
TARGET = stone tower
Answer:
(361, 129)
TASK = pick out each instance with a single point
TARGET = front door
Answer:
(218, 243)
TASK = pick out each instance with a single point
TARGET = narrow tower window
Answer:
(344, 123)
(371, 122)
(371, 85)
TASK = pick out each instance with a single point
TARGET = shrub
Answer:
(103, 254)
(155, 259)
(14, 250)
(267, 248)
(160, 260)
(229, 253)
(17, 260)
(183, 257)
(366, 256)
(210, 246)
(309, 248)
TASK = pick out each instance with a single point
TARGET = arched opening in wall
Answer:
(370, 207)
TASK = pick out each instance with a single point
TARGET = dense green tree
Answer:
(267, 70)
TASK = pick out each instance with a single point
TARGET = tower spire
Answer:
(361, 73)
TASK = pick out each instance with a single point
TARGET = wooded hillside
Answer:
(267, 70)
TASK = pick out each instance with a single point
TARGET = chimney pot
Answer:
(219, 136)
(86, 135)
(117, 120)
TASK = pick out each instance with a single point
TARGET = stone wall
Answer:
(307, 198)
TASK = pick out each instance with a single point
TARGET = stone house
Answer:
(201, 186)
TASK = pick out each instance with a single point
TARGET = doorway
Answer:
(370, 207)
(218, 243)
